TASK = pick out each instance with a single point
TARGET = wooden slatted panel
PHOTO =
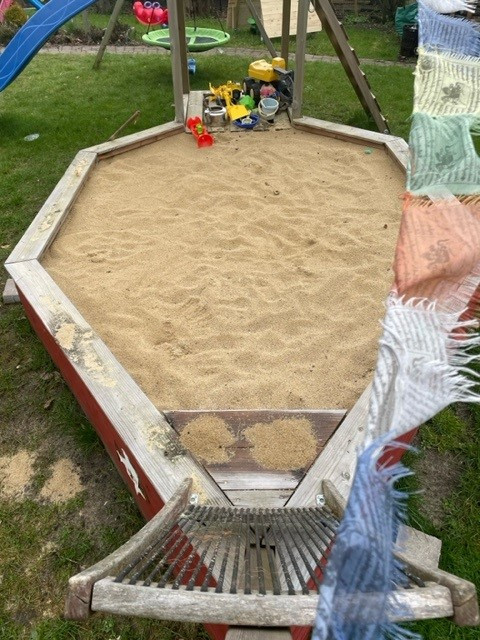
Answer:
(271, 13)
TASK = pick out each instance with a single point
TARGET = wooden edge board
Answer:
(432, 601)
(80, 586)
(49, 219)
(282, 480)
(134, 140)
(341, 413)
(254, 498)
(399, 151)
(416, 546)
(152, 442)
(342, 131)
(463, 592)
(338, 459)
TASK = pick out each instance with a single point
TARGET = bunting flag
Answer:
(443, 156)
(451, 6)
(446, 84)
(429, 338)
(445, 33)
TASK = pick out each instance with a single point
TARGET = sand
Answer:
(285, 444)
(251, 274)
(208, 438)
(63, 484)
(16, 473)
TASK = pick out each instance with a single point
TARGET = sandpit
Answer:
(251, 274)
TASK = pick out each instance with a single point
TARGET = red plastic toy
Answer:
(196, 126)
(150, 13)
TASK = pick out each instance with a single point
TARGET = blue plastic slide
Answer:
(34, 33)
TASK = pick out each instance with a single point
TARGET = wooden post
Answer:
(86, 25)
(108, 32)
(176, 57)
(286, 12)
(346, 53)
(301, 39)
(261, 28)
(183, 46)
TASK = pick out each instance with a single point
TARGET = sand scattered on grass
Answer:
(16, 472)
(285, 444)
(63, 484)
(208, 437)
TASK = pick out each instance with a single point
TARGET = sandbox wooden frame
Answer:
(144, 447)
(122, 414)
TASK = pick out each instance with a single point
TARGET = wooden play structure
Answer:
(270, 14)
(234, 547)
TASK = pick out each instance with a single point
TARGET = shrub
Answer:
(7, 31)
(15, 16)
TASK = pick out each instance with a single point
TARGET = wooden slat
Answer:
(268, 610)
(398, 150)
(135, 140)
(463, 593)
(228, 481)
(349, 60)
(342, 132)
(80, 586)
(338, 459)
(152, 441)
(49, 219)
(261, 498)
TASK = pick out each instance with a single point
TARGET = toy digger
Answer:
(228, 94)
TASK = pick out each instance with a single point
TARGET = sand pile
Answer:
(285, 444)
(251, 274)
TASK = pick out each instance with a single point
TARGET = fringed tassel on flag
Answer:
(357, 598)
(431, 353)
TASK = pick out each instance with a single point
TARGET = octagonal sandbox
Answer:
(247, 276)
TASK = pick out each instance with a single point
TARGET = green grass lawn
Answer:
(41, 544)
(377, 43)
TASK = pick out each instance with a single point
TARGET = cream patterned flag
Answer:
(446, 84)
